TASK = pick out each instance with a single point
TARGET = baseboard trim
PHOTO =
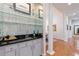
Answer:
(76, 54)
(43, 54)
(51, 53)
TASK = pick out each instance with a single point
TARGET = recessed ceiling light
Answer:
(69, 3)
(74, 13)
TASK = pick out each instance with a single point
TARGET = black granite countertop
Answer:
(8, 42)
(20, 38)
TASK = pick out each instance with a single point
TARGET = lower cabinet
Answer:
(37, 48)
(11, 53)
(25, 48)
(28, 48)
(2, 51)
(25, 51)
(10, 50)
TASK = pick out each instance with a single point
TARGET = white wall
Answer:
(58, 19)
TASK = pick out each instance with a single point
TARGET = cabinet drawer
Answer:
(29, 43)
(35, 41)
(39, 40)
(23, 44)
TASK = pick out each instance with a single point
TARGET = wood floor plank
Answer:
(62, 48)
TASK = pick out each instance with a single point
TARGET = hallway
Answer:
(63, 26)
(63, 48)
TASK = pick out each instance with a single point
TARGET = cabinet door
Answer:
(2, 51)
(42, 46)
(37, 48)
(10, 53)
(10, 50)
(26, 51)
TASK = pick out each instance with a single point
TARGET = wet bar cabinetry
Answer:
(27, 48)
(37, 47)
(16, 23)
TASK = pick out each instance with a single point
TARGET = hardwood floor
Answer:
(63, 48)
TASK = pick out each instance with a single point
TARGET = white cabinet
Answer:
(7, 51)
(37, 48)
(11, 50)
(29, 48)
(25, 49)
(42, 46)
(10, 53)
(2, 51)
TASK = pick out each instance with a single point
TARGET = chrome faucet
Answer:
(34, 33)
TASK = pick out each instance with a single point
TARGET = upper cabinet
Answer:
(20, 18)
